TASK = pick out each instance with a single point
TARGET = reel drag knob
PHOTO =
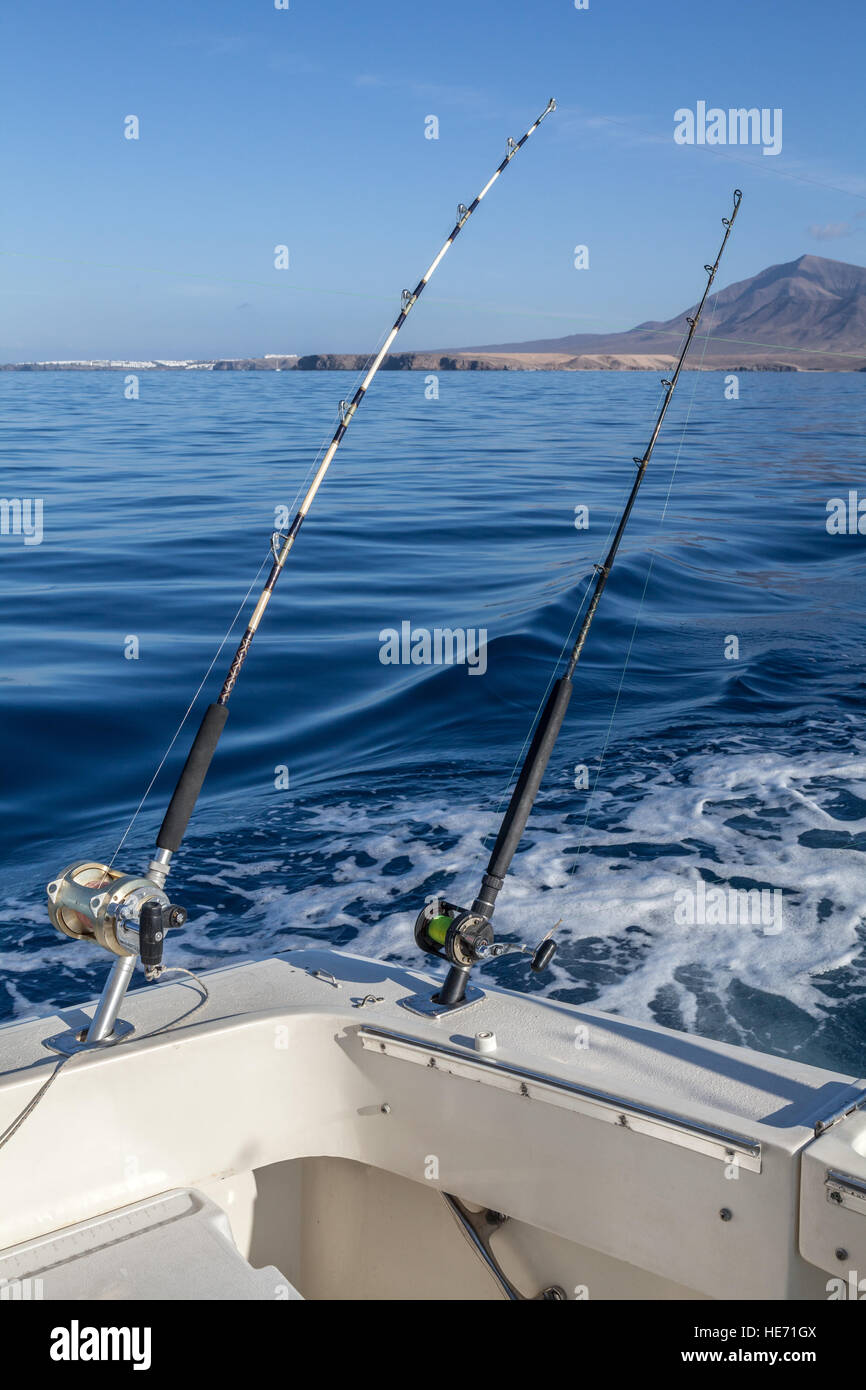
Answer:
(152, 926)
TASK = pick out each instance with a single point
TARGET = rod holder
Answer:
(105, 1027)
(110, 1000)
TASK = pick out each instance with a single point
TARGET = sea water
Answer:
(700, 840)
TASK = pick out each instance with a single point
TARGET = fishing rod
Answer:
(192, 777)
(127, 914)
(465, 937)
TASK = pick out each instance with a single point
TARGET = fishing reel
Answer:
(460, 937)
(126, 914)
(465, 938)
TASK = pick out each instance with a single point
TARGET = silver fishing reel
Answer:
(126, 914)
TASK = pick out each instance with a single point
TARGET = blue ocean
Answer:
(715, 743)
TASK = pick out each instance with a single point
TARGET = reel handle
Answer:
(543, 955)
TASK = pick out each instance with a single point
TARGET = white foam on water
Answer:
(749, 809)
(734, 811)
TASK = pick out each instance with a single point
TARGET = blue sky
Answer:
(305, 127)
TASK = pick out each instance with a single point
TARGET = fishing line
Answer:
(778, 347)
(132, 918)
(204, 745)
(225, 637)
(552, 677)
(13, 1127)
(574, 622)
(550, 722)
(359, 377)
(189, 709)
(638, 616)
(464, 936)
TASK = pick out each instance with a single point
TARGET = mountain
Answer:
(800, 312)
(809, 314)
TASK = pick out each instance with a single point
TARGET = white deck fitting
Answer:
(282, 1065)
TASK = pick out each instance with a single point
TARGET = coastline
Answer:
(785, 361)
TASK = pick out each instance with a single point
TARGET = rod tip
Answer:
(551, 105)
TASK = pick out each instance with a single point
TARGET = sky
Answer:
(305, 127)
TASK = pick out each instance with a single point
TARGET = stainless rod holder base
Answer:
(105, 1027)
(76, 1040)
(428, 1007)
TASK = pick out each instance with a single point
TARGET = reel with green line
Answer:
(465, 938)
(450, 932)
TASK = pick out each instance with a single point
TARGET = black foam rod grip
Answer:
(182, 803)
(526, 790)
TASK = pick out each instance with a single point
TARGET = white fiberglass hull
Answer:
(305, 1135)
